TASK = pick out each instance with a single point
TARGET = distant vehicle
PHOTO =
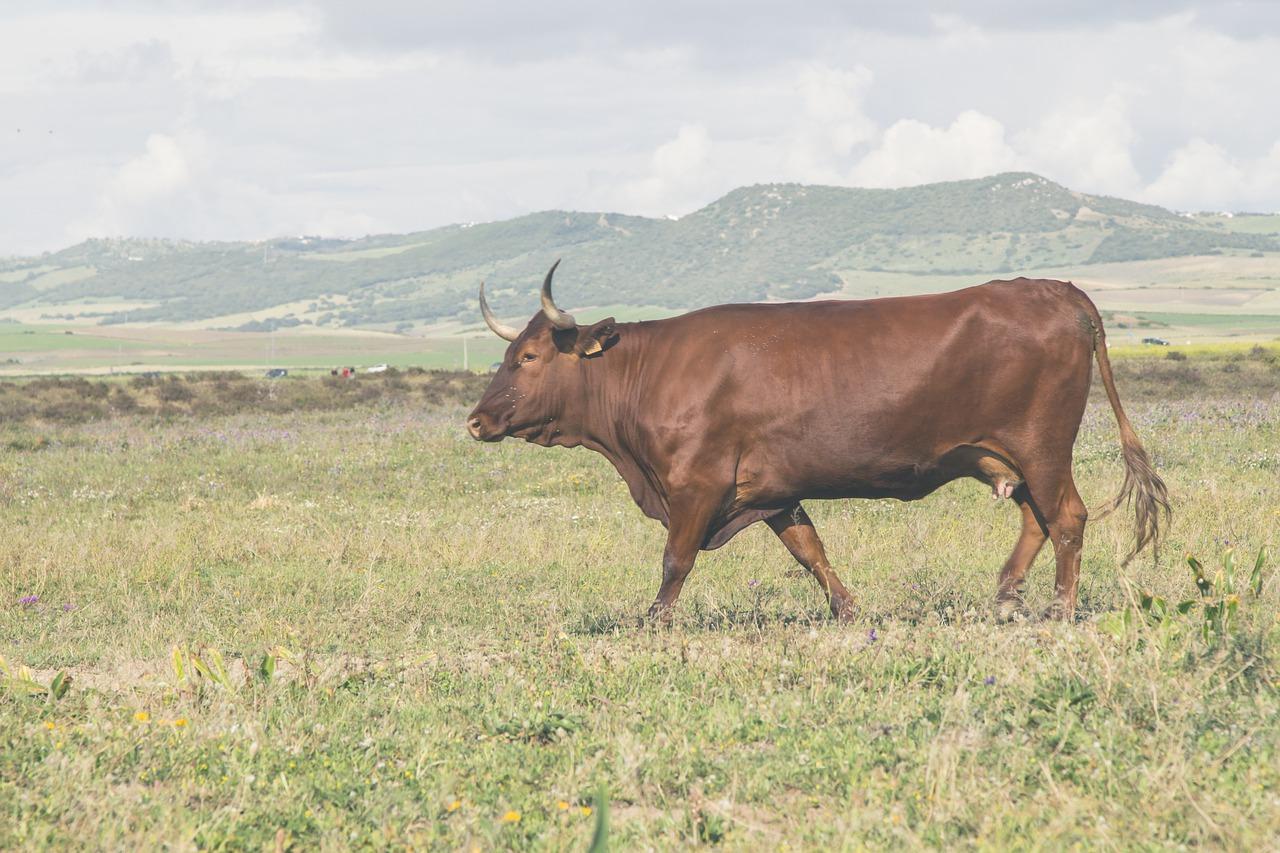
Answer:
(277, 373)
(1159, 342)
(377, 368)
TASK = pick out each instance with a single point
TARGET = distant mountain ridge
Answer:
(773, 241)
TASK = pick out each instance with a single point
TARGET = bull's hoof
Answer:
(1058, 611)
(1012, 610)
(659, 616)
(843, 610)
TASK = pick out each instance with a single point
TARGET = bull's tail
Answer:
(1142, 486)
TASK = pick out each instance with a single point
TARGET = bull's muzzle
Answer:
(483, 428)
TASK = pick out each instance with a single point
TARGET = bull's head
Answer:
(538, 391)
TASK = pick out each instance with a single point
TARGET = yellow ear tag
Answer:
(592, 347)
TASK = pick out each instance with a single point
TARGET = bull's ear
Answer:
(594, 338)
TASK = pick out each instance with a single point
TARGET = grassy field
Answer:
(353, 627)
(44, 348)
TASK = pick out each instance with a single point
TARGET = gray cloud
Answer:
(745, 30)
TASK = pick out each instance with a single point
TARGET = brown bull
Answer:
(734, 414)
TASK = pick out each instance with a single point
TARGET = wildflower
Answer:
(562, 806)
(753, 583)
(28, 600)
(68, 607)
(142, 717)
(872, 636)
(586, 810)
(989, 680)
(50, 725)
(180, 722)
(511, 817)
(453, 806)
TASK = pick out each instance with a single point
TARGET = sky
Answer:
(239, 120)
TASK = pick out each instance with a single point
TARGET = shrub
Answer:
(174, 391)
(124, 402)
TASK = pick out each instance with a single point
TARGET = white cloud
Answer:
(147, 189)
(831, 124)
(163, 169)
(1086, 147)
(912, 152)
(678, 169)
(1203, 176)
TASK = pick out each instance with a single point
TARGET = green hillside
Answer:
(774, 241)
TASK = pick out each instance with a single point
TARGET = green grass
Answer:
(20, 338)
(1239, 323)
(360, 254)
(1245, 223)
(50, 349)
(453, 628)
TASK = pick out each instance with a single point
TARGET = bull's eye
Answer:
(528, 357)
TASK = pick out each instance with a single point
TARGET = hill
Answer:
(777, 241)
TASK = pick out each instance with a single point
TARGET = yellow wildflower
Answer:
(453, 806)
(511, 817)
(50, 725)
(180, 722)
(562, 806)
(586, 810)
(142, 717)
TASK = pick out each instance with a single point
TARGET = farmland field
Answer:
(354, 627)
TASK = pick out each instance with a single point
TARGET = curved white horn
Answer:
(559, 319)
(507, 333)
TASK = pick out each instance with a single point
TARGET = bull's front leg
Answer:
(686, 531)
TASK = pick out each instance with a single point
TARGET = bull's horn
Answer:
(559, 319)
(507, 333)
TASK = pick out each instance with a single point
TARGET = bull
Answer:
(734, 414)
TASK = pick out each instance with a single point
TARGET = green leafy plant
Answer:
(21, 681)
(207, 666)
(600, 835)
(1219, 597)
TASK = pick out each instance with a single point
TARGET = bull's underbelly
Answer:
(906, 483)
(831, 477)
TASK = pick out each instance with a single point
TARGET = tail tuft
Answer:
(1144, 490)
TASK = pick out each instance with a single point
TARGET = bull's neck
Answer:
(612, 387)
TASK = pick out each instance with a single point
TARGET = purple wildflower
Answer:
(68, 607)
(989, 680)
(872, 636)
(28, 600)
(753, 583)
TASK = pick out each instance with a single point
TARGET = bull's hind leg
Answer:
(1061, 513)
(796, 531)
(1013, 575)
